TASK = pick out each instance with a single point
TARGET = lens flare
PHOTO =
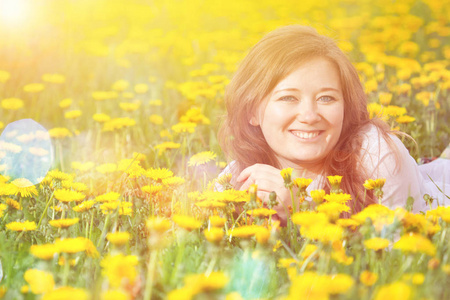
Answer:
(25, 151)
(13, 11)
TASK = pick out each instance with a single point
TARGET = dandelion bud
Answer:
(272, 199)
(287, 176)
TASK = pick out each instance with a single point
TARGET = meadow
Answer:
(113, 195)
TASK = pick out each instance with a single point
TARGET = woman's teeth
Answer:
(306, 135)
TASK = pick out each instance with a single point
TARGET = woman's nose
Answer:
(308, 112)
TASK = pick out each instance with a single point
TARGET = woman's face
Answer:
(301, 119)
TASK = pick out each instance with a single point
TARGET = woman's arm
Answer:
(393, 162)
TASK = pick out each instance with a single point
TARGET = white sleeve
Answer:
(231, 168)
(403, 178)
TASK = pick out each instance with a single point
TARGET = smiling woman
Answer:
(296, 101)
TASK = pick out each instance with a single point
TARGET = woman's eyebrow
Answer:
(287, 89)
(325, 89)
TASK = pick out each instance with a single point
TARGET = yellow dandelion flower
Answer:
(336, 179)
(349, 223)
(25, 289)
(65, 103)
(396, 290)
(119, 269)
(130, 106)
(84, 206)
(126, 209)
(40, 282)
(186, 222)
(21, 226)
(104, 95)
(333, 209)
(217, 221)
(120, 85)
(157, 224)
(118, 123)
(65, 195)
(184, 127)
(141, 88)
(340, 283)
(73, 114)
(118, 238)
(13, 204)
(71, 245)
(3, 290)
(66, 292)
(44, 251)
(379, 214)
(405, 119)
(371, 184)
(108, 197)
(317, 196)
(368, 278)
(64, 223)
(376, 243)
(201, 283)
(394, 111)
(261, 212)
(166, 145)
(12, 103)
(156, 119)
(4, 76)
(109, 207)
(59, 133)
(152, 189)
(308, 218)
(385, 98)
(326, 234)
(56, 174)
(201, 158)
(77, 186)
(173, 182)
(302, 183)
(106, 168)
(101, 118)
(23, 187)
(214, 235)
(309, 285)
(33, 88)
(246, 231)
(413, 243)
(286, 174)
(341, 258)
(3, 207)
(158, 174)
(210, 204)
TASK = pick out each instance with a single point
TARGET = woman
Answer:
(296, 101)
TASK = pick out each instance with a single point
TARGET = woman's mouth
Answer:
(306, 135)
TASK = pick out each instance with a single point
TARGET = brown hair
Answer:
(273, 58)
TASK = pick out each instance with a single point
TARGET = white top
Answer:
(403, 179)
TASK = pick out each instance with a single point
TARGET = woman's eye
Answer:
(326, 99)
(288, 98)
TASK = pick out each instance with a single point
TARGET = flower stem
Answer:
(150, 274)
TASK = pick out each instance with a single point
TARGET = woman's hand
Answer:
(268, 179)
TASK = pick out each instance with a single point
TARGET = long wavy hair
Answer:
(274, 57)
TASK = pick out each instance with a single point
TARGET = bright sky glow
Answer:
(13, 11)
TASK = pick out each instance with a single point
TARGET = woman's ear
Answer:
(254, 121)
